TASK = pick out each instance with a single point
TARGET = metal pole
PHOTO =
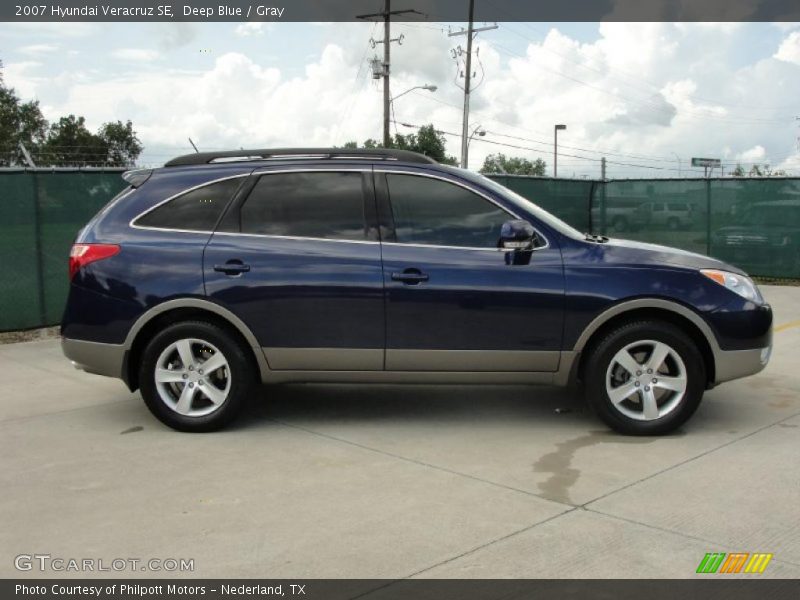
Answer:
(387, 40)
(555, 152)
(37, 232)
(467, 82)
(603, 195)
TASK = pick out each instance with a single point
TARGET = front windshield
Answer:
(520, 201)
(773, 216)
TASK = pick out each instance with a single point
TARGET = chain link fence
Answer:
(41, 212)
(752, 223)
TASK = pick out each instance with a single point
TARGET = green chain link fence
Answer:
(41, 212)
(752, 223)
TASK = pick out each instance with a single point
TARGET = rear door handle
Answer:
(232, 267)
(410, 276)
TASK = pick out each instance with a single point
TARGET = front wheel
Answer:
(645, 378)
(195, 376)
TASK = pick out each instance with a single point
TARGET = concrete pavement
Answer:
(399, 481)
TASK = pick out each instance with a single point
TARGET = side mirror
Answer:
(517, 235)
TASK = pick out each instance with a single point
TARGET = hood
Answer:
(617, 250)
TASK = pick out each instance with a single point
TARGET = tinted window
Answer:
(318, 205)
(431, 211)
(197, 210)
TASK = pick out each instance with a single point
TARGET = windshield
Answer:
(773, 216)
(516, 199)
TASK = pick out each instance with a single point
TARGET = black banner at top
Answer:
(407, 10)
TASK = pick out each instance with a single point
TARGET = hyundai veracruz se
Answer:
(221, 271)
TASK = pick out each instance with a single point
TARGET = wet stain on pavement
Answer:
(559, 462)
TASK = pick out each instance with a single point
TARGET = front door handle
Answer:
(232, 267)
(410, 276)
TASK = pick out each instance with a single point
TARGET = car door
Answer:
(455, 302)
(297, 258)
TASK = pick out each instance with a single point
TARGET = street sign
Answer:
(714, 163)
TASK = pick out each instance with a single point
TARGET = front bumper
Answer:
(734, 364)
(95, 357)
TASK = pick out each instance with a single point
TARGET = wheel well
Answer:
(658, 314)
(170, 317)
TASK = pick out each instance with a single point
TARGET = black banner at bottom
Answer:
(406, 589)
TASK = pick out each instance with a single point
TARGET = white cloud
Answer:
(251, 28)
(789, 50)
(755, 154)
(639, 94)
(23, 77)
(135, 54)
(38, 49)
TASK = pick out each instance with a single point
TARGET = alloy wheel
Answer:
(192, 377)
(646, 380)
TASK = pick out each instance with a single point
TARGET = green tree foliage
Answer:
(122, 145)
(66, 142)
(20, 122)
(428, 141)
(514, 165)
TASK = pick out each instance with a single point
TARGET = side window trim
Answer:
(132, 223)
(385, 210)
(233, 212)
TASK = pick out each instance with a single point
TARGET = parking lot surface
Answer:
(399, 481)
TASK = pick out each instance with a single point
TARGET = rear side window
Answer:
(434, 212)
(315, 205)
(196, 210)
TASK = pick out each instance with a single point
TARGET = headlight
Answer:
(740, 284)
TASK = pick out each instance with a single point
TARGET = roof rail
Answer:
(204, 158)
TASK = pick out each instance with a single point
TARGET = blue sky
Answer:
(649, 95)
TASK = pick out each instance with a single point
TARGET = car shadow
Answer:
(377, 404)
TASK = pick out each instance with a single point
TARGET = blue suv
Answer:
(224, 270)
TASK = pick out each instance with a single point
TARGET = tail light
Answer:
(84, 254)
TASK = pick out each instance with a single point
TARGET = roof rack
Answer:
(204, 158)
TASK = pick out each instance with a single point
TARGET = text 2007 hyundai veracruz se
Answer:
(223, 270)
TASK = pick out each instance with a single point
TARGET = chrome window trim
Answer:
(470, 189)
(293, 237)
(132, 223)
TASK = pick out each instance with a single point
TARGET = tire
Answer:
(638, 406)
(190, 398)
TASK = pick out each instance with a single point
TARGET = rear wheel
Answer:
(645, 378)
(195, 376)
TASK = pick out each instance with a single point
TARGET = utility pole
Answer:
(603, 168)
(386, 15)
(470, 33)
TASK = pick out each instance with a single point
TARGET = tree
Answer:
(758, 171)
(66, 142)
(428, 141)
(515, 165)
(70, 143)
(122, 145)
(20, 123)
